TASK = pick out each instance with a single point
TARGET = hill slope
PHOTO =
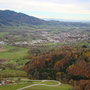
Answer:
(8, 17)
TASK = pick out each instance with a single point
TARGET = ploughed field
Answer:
(2, 50)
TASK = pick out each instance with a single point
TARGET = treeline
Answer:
(67, 64)
(11, 70)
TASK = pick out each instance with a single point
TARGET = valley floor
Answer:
(37, 85)
(43, 83)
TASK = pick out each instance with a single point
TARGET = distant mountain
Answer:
(9, 17)
(64, 20)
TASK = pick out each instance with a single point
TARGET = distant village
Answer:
(63, 37)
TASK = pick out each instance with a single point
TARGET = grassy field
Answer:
(89, 44)
(50, 83)
(46, 82)
(61, 87)
(18, 86)
(13, 87)
(14, 54)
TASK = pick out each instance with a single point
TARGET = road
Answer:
(40, 84)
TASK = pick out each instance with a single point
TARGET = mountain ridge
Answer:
(8, 16)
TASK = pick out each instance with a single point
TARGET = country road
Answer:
(40, 84)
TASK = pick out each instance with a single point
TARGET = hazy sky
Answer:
(56, 9)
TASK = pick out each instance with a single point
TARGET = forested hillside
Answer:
(67, 64)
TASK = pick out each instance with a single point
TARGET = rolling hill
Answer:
(8, 17)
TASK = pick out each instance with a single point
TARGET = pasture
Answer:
(14, 54)
(19, 86)
(60, 87)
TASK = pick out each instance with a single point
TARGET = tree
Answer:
(59, 75)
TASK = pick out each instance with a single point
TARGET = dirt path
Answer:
(40, 84)
(2, 50)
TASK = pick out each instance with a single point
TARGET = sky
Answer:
(52, 9)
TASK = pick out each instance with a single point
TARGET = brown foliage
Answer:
(81, 68)
(62, 62)
(84, 85)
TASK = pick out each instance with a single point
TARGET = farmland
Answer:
(33, 52)
(39, 87)
(13, 54)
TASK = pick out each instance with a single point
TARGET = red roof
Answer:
(3, 60)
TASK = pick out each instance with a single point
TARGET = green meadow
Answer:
(14, 86)
(39, 87)
(13, 54)
(42, 87)
(61, 87)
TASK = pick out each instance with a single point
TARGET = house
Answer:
(2, 61)
(5, 82)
